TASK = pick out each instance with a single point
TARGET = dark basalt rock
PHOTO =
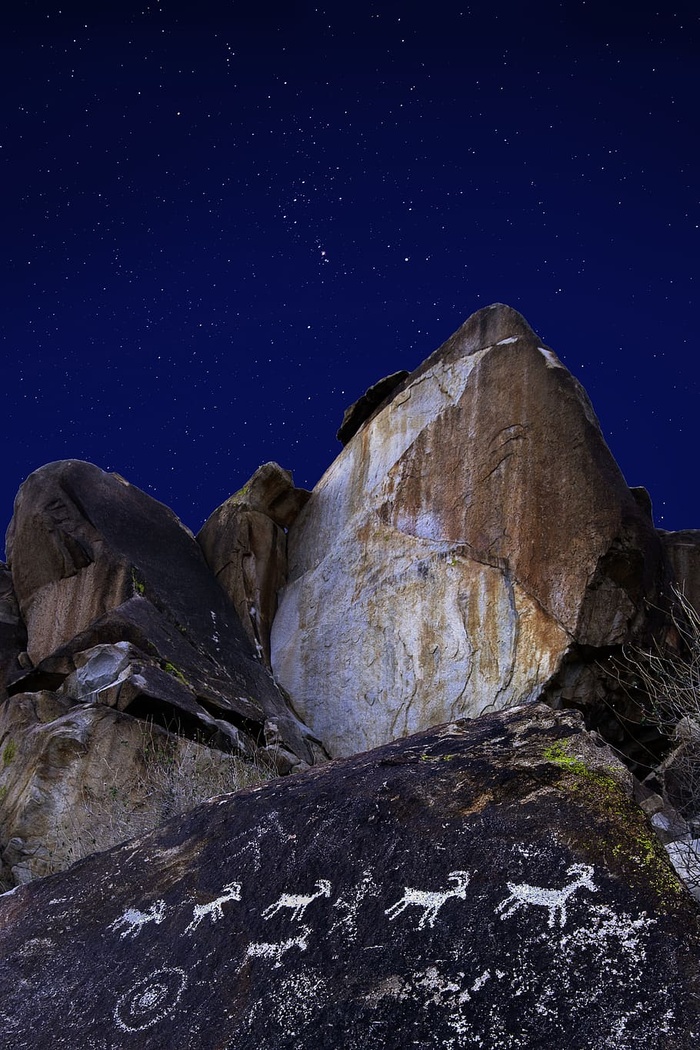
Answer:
(361, 410)
(485, 884)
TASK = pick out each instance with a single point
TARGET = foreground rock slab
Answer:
(486, 884)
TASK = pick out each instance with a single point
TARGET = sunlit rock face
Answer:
(487, 884)
(472, 531)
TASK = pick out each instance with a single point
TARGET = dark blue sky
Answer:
(221, 222)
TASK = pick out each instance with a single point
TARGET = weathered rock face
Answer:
(487, 884)
(79, 777)
(472, 532)
(245, 545)
(359, 412)
(13, 636)
(683, 551)
(116, 595)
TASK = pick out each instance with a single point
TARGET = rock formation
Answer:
(245, 545)
(121, 612)
(474, 540)
(487, 883)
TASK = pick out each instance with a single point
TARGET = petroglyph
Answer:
(133, 921)
(214, 909)
(150, 999)
(554, 901)
(430, 900)
(275, 950)
(298, 902)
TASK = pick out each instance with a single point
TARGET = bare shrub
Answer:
(669, 677)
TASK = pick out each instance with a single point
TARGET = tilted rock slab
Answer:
(472, 531)
(107, 577)
(486, 884)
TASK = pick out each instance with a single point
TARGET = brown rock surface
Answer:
(472, 532)
(95, 561)
(245, 545)
(78, 778)
(488, 884)
(683, 551)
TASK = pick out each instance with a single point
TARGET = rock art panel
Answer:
(485, 884)
(472, 531)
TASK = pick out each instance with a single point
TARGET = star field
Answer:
(222, 222)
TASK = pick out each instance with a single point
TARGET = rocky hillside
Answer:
(473, 553)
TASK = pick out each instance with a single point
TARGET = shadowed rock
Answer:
(13, 636)
(473, 533)
(245, 545)
(362, 409)
(485, 884)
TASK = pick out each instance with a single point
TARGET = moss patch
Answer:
(9, 752)
(632, 842)
(138, 584)
(175, 672)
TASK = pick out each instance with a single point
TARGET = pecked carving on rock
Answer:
(484, 884)
(474, 530)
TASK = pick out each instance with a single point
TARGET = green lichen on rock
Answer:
(175, 672)
(634, 842)
(138, 584)
(9, 752)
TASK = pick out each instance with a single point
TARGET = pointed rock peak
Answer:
(270, 491)
(490, 326)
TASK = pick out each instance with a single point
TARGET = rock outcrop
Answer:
(245, 545)
(683, 551)
(365, 406)
(95, 561)
(474, 539)
(76, 778)
(487, 883)
(124, 621)
(13, 636)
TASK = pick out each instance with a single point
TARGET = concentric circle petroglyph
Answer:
(150, 999)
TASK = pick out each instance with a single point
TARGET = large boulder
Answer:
(474, 532)
(121, 608)
(244, 542)
(486, 884)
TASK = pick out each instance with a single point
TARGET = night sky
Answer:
(222, 222)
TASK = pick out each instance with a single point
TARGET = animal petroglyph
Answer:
(271, 950)
(554, 901)
(298, 902)
(430, 900)
(214, 909)
(132, 921)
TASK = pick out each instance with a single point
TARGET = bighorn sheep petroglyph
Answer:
(554, 901)
(134, 920)
(430, 901)
(270, 950)
(231, 892)
(297, 902)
